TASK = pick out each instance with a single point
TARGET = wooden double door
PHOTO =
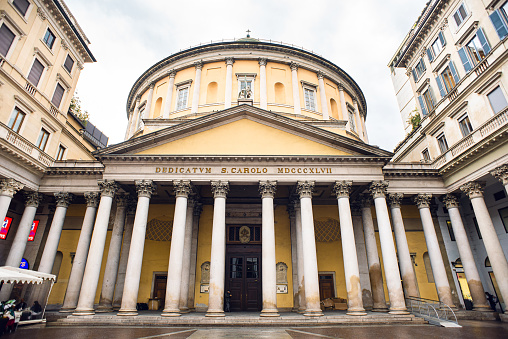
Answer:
(243, 277)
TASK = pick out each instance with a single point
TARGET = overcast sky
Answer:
(128, 36)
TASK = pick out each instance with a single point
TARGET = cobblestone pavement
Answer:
(470, 330)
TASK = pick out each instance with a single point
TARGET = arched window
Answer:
(157, 109)
(487, 262)
(335, 110)
(428, 267)
(211, 93)
(280, 93)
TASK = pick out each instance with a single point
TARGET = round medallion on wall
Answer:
(244, 234)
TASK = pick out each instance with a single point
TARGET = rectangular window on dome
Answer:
(183, 95)
(6, 39)
(351, 118)
(310, 99)
(16, 120)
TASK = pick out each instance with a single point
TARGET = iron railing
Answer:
(431, 310)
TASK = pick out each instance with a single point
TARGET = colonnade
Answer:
(123, 267)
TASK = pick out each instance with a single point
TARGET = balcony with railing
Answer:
(24, 145)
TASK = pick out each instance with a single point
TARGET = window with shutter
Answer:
(58, 95)
(21, 6)
(422, 105)
(6, 39)
(36, 72)
(419, 69)
(460, 15)
(68, 63)
(474, 51)
(499, 21)
(497, 100)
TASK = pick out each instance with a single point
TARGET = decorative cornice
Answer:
(33, 199)
(220, 189)
(451, 201)
(108, 188)
(230, 61)
(92, 199)
(378, 189)
(122, 199)
(182, 188)
(63, 199)
(473, 189)
(64, 44)
(304, 189)
(145, 188)
(41, 14)
(267, 188)
(294, 66)
(422, 200)
(262, 61)
(9, 187)
(501, 173)
(342, 189)
(394, 199)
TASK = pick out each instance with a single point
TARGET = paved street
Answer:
(470, 329)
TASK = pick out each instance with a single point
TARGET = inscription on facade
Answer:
(244, 170)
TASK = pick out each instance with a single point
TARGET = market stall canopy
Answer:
(17, 275)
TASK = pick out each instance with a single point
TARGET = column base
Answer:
(184, 310)
(398, 312)
(83, 311)
(171, 314)
(483, 308)
(215, 314)
(66, 310)
(269, 313)
(301, 310)
(104, 309)
(125, 313)
(356, 312)
(313, 313)
(380, 309)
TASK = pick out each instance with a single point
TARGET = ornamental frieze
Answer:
(243, 170)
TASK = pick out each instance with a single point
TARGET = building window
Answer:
(21, 6)
(447, 80)
(36, 72)
(450, 230)
(477, 228)
(69, 62)
(16, 120)
(503, 214)
(436, 47)
(499, 19)
(427, 101)
(351, 118)
(49, 38)
(61, 152)
(418, 70)
(460, 15)
(443, 144)
(6, 39)
(474, 51)
(426, 155)
(497, 100)
(58, 95)
(465, 125)
(183, 95)
(310, 98)
(42, 141)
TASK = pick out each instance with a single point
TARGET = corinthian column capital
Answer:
(108, 188)
(293, 66)
(501, 173)
(422, 200)
(198, 64)
(394, 199)
(473, 189)
(145, 188)
(33, 199)
(63, 199)
(9, 187)
(230, 61)
(267, 188)
(305, 188)
(342, 189)
(262, 61)
(451, 201)
(378, 189)
(182, 188)
(320, 74)
(92, 199)
(220, 189)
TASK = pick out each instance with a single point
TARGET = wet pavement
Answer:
(471, 329)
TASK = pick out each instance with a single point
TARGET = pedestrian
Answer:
(21, 305)
(36, 310)
(227, 302)
(492, 300)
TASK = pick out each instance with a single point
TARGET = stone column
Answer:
(229, 82)
(197, 86)
(490, 239)
(135, 120)
(405, 262)
(395, 292)
(94, 261)
(376, 277)
(8, 187)
(466, 255)
(169, 95)
(299, 254)
(32, 200)
(63, 200)
(322, 94)
(501, 173)
(172, 307)
(296, 88)
(145, 190)
(310, 267)
(148, 107)
(269, 279)
(115, 245)
(361, 253)
(78, 265)
(343, 107)
(218, 255)
(124, 255)
(294, 254)
(351, 271)
(358, 119)
(186, 261)
(263, 101)
(436, 260)
(194, 254)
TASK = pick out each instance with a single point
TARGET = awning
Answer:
(17, 275)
